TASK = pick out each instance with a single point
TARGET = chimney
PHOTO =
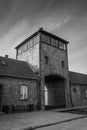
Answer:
(40, 28)
(6, 56)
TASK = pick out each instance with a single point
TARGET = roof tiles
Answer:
(16, 68)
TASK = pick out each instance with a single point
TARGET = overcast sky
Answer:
(65, 18)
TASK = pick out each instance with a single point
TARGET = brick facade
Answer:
(11, 92)
(78, 94)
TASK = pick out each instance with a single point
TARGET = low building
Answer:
(78, 89)
(18, 86)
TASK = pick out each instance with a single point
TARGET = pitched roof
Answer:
(78, 78)
(15, 68)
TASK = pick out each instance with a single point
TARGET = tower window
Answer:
(63, 64)
(46, 59)
(74, 90)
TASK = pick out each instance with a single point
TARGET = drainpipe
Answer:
(6, 56)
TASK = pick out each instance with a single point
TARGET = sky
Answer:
(64, 18)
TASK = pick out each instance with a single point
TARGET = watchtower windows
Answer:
(28, 44)
(62, 46)
(20, 50)
(31, 42)
(53, 42)
(45, 38)
(36, 39)
(46, 59)
(25, 47)
(56, 43)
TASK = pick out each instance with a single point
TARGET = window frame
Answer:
(23, 92)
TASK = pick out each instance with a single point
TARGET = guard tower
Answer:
(47, 55)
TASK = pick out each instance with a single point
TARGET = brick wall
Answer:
(78, 95)
(54, 66)
(11, 91)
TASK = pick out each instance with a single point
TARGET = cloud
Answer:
(14, 35)
(52, 25)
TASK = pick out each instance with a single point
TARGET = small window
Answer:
(25, 47)
(28, 44)
(31, 42)
(64, 47)
(46, 59)
(61, 45)
(24, 92)
(36, 39)
(56, 43)
(63, 64)
(52, 41)
(43, 38)
(74, 90)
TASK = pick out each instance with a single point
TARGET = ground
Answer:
(80, 124)
(20, 121)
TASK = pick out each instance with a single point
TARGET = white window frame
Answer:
(24, 92)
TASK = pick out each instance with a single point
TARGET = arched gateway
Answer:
(54, 91)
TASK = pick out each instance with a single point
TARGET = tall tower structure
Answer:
(47, 54)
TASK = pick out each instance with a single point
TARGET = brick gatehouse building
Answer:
(39, 78)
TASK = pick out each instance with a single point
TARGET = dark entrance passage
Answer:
(0, 96)
(54, 92)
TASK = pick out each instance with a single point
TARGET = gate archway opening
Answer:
(54, 92)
